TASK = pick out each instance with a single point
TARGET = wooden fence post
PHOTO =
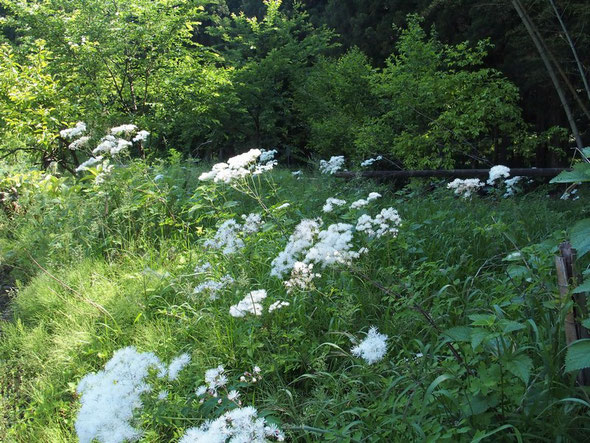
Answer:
(567, 279)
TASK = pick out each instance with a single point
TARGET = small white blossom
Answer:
(331, 202)
(372, 348)
(124, 130)
(141, 136)
(89, 163)
(236, 168)
(250, 304)
(202, 268)
(370, 161)
(465, 188)
(333, 165)
(80, 143)
(213, 287)
(163, 395)
(266, 156)
(299, 242)
(496, 172)
(364, 202)
(233, 395)
(74, 132)
(511, 186)
(278, 305)
(297, 173)
(177, 365)
(227, 238)
(252, 223)
(333, 246)
(302, 276)
(201, 390)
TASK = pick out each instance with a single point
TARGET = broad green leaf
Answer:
(586, 323)
(580, 173)
(482, 319)
(584, 287)
(586, 152)
(520, 366)
(578, 355)
(510, 326)
(458, 333)
(580, 237)
(478, 335)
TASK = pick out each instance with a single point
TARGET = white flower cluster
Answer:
(297, 173)
(299, 242)
(111, 145)
(202, 268)
(386, 222)
(237, 425)
(496, 172)
(240, 166)
(126, 130)
(177, 365)
(79, 143)
(334, 246)
(213, 287)
(364, 202)
(278, 305)
(370, 161)
(250, 304)
(89, 163)
(511, 184)
(72, 133)
(252, 223)
(466, 187)
(267, 156)
(333, 165)
(142, 136)
(110, 397)
(372, 348)
(227, 238)
(331, 202)
(302, 277)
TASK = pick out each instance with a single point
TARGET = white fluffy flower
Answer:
(201, 390)
(299, 242)
(80, 143)
(364, 202)
(250, 304)
(386, 222)
(266, 156)
(122, 145)
(213, 287)
(202, 268)
(296, 173)
(302, 277)
(227, 238)
(124, 130)
(333, 165)
(89, 163)
(163, 395)
(466, 187)
(370, 161)
(177, 365)
(511, 186)
(278, 305)
(215, 378)
(333, 246)
(141, 136)
(109, 397)
(372, 348)
(233, 395)
(497, 172)
(236, 167)
(252, 223)
(74, 132)
(237, 425)
(331, 202)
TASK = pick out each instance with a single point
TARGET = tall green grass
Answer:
(99, 269)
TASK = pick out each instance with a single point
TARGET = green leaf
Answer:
(482, 319)
(578, 355)
(586, 152)
(510, 326)
(478, 335)
(584, 287)
(580, 237)
(586, 323)
(520, 366)
(580, 173)
(458, 333)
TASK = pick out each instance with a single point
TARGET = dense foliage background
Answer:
(430, 83)
(120, 244)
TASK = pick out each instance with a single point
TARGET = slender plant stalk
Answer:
(530, 27)
(572, 47)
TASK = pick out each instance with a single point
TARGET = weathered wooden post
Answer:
(567, 279)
